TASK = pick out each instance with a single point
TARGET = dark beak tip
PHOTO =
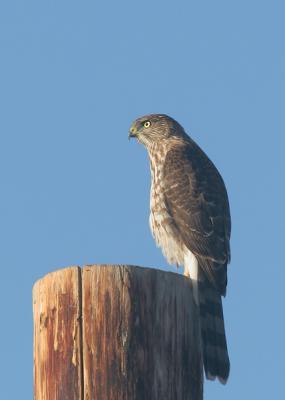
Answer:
(131, 135)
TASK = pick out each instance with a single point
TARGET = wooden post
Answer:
(116, 333)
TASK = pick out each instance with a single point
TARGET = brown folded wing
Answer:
(197, 200)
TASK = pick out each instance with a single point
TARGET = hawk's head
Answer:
(155, 128)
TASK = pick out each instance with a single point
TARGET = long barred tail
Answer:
(215, 352)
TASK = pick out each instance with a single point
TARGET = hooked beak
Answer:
(132, 132)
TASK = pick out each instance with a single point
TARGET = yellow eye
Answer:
(146, 124)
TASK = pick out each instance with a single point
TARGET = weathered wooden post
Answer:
(116, 333)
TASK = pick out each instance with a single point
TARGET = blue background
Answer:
(74, 75)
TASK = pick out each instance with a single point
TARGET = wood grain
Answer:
(110, 332)
(57, 331)
(140, 335)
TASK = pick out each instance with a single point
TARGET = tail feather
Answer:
(215, 353)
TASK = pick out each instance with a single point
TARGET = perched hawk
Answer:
(190, 221)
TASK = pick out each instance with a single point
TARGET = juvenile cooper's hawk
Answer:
(190, 221)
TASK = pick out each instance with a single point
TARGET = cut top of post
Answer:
(116, 332)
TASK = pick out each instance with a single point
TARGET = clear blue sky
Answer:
(73, 76)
